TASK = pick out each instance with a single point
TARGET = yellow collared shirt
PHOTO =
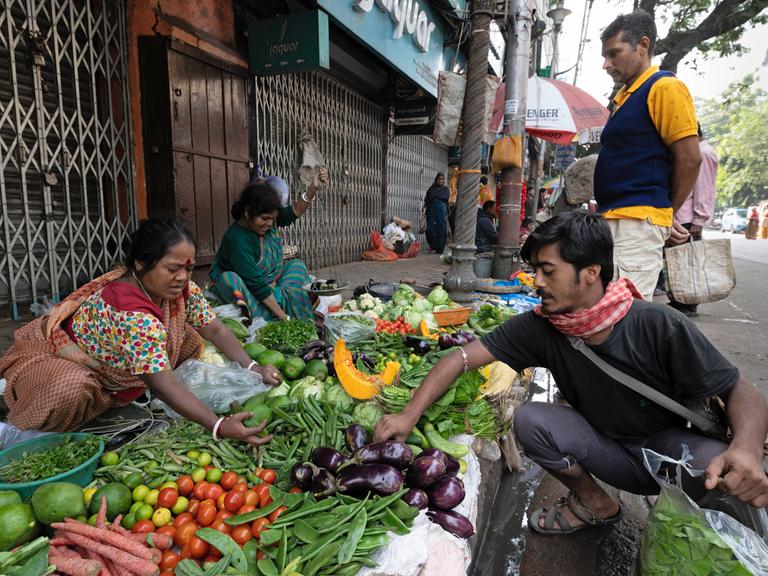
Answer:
(671, 109)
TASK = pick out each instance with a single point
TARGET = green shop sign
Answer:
(289, 43)
(405, 33)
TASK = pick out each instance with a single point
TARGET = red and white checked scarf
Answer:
(613, 306)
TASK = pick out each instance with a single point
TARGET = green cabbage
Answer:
(335, 395)
(439, 296)
(367, 414)
(422, 305)
(282, 390)
(307, 387)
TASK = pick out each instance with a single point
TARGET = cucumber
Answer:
(415, 449)
(417, 438)
(437, 441)
(237, 328)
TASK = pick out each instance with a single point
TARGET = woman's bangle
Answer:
(216, 427)
(252, 364)
(465, 358)
(307, 200)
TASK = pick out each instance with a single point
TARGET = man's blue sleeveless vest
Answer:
(634, 167)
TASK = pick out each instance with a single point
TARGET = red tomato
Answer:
(241, 534)
(245, 509)
(214, 553)
(276, 514)
(233, 501)
(194, 504)
(186, 485)
(263, 491)
(220, 501)
(184, 533)
(169, 560)
(143, 527)
(240, 487)
(167, 497)
(199, 490)
(183, 518)
(294, 490)
(213, 491)
(251, 498)
(221, 526)
(228, 479)
(170, 530)
(269, 476)
(206, 514)
(258, 525)
(223, 514)
(198, 548)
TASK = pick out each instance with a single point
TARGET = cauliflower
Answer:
(366, 302)
(371, 314)
(350, 305)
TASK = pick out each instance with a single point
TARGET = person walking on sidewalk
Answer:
(650, 157)
(697, 209)
(602, 431)
(436, 207)
(753, 223)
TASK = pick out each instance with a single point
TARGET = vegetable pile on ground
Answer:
(383, 469)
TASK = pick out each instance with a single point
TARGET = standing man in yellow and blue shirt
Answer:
(649, 159)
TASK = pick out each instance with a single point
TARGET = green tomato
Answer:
(140, 492)
(133, 479)
(213, 475)
(181, 505)
(151, 499)
(194, 454)
(129, 521)
(170, 484)
(198, 474)
(150, 465)
(145, 512)
(204, 459)
(110, 459)
(135, 506)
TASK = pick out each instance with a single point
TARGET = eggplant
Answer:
(446, 341)
(468, 336)
(328, 458)
(323, 482)
(418, 345)
(396, 454)
(328, 352)
(451, 464)
(425, 471)
(311, 355)
(355, 437)
(381, 479)
(416, 498)
(301, 476)
(446, 493)
(368, 362)
(453, 522)
(312, 345)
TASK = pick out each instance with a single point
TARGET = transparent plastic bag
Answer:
(42, 308)
(348, 326)
(10, 435)
(707, 541)
(216, 386)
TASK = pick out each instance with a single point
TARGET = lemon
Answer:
(161, 517)
(151, 498)
(88, 494)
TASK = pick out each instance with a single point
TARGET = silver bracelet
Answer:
(252, 364)
(304, 197)
(465, 358)
(216, 427)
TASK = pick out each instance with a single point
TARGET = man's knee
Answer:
(530, 423)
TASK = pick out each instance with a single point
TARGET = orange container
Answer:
(452, 317)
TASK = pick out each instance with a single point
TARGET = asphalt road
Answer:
(738, 325)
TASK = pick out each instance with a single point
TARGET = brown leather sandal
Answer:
(572, 502)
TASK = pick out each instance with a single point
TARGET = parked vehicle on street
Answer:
(734, 220)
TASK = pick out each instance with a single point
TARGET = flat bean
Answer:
(306, 510)
(347, 549)
(304, 532)
(258, 513)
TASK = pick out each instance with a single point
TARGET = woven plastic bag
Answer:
(700, 271)
(682, 538)
(508, 153)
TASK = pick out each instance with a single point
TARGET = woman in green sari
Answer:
(249, 266)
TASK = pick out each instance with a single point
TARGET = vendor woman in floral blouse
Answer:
(120, 334)
(249, 266)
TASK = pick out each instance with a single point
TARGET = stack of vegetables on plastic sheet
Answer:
(321, 497)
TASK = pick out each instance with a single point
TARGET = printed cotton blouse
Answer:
(121, 327)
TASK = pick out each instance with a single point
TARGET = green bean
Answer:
(304, 532)
(225, 545)
(282, 551)
(267, 567)
(288, 517)
(383, 503)
(347, 549)
(322, 557)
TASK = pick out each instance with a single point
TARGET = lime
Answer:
(92, 520)
(170, 484)
(140, 492)
(110, 459)
(161, 517)
(271, 357)
(151, 497)
(9, 497)
(129, 521)
(181, 505)
(135, 506)
(204, 459)
(118, 499)
(133, 479)
(293, 367)
(88, 494)
(144, 512)
(254, 349)
(58, 500)
(213, 475)
(317, 369)
(259, 413)
(18, 522)
(194, 454)
(198, 474)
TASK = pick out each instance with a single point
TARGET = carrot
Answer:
(117, 520)
(101, 519)
(104, 571)
(75, 566)
(120, 557)
(61, 542)
(116, 540)
(121, 530)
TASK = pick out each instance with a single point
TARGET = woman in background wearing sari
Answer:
(436, 207)
(249, 266)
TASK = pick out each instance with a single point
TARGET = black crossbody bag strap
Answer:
(702, 423)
